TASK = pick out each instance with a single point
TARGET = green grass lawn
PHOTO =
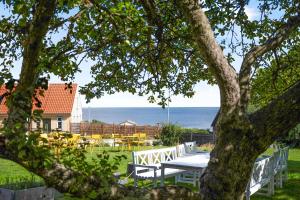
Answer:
(10, 171)
(291, 189)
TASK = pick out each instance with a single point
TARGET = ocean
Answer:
(189, 117)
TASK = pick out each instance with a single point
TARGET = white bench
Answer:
(262, 175)
(280, 165)
(268, 171)
(146, 164)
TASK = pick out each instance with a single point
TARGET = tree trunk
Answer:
(231, 162)
(240, 138)
(20, 103)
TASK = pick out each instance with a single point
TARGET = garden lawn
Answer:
(10, 172)
(291, 190)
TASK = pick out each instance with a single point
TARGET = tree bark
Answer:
(213, 55)
(20, 103)
(240, 138)
(279, 117)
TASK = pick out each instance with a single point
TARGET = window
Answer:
(59, 123)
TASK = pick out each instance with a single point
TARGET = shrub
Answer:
(187, 133)
(194, 131)
(207, 147)
(170, 134)
(293, 138)
(157, 142)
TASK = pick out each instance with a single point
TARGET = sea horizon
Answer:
(189, 117)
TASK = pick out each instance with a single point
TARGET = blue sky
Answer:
(205, 96)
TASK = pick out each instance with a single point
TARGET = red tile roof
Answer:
(56, 100)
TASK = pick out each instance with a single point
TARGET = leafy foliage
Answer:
(100, 171)
(194, 131)
(170, 134)
(293, 138)
(129, 47)
(271, 82)
(95, 176)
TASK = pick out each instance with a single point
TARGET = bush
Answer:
(170, 134)
(293, 138)
(194, 131)
(207, 147)
(156, 143)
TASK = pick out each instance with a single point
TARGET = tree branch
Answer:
(212, 54)
(153, 17)
(20, 112)
(70, 19)
(281, 35)
(279, 117)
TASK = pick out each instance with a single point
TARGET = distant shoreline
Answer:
(155, 107)
(188, 117)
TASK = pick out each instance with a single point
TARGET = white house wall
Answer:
(53, 117)
(76, 115)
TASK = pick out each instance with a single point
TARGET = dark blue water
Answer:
(189, 117)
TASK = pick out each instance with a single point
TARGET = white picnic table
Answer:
(189, 162)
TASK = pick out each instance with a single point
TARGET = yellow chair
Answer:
(120, 140)
(55, 142)
(95, 140)
(73, 141)
(116, 135)
(139, 139)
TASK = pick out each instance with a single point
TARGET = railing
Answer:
(105, 129)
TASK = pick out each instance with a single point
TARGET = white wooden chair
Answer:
(181, 150)
(191, 177)
(262, 175)
(147, 164)
(280, 166)
(190, 147)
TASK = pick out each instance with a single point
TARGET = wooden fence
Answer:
(104, 129)
(199, 138)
